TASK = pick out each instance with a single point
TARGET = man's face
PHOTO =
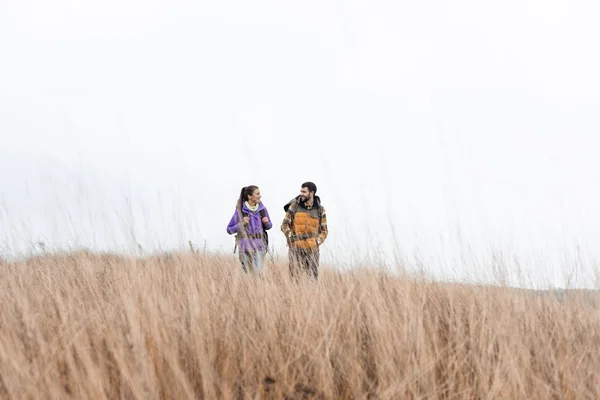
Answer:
(305, 195)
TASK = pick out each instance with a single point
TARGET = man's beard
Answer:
(305, 199)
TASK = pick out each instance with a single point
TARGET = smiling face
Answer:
(306, 195)
(255, 197)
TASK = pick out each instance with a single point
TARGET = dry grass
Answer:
(192, 326)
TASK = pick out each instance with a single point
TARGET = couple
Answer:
(304, 226)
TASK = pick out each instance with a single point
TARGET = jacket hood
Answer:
(297, 200)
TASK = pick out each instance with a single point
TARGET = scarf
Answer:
(252, 208)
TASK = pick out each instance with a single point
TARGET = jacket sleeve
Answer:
(234, 224)
(286, 225)
(323, 228)
(269, 224)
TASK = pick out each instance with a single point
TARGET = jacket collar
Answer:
(296, 199)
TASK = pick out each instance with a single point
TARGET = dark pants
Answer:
(304, 261)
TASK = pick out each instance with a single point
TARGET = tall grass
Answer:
(79, 325)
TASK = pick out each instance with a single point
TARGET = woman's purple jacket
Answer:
(253, 228)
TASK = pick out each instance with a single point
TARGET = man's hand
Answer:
(246, 220)
(265, 220)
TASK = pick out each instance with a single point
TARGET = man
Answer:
(305, 228)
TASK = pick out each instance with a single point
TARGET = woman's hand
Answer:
(265, 220)
(246, 220)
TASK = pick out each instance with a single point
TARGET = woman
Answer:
(250, 223)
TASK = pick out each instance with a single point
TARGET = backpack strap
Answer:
(265, 234)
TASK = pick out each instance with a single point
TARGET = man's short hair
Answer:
(310, 186)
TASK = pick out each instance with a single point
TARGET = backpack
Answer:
(265, 234)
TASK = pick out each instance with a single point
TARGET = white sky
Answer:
(466, 126)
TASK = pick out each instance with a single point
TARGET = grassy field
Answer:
(181, 326)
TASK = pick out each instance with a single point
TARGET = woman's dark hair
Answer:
(246, 191)
(310, 186)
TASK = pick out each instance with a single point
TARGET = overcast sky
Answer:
(450, 132)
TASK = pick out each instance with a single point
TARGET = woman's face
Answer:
(255, 196)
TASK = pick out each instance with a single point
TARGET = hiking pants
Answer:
(304, 261)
